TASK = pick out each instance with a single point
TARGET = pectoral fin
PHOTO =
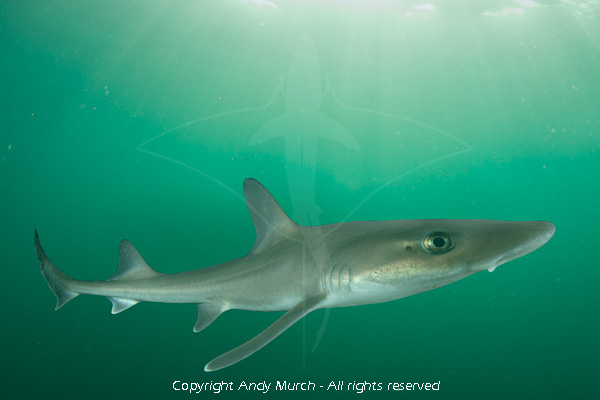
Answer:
(258, 342)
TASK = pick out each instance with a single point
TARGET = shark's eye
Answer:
(438, 242)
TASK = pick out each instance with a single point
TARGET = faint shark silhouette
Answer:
(301, 126)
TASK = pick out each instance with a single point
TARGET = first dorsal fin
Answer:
(131, 264)
(270, 221)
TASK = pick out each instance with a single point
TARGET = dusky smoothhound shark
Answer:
(300, 269)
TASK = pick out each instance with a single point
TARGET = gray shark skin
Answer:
(299, 269)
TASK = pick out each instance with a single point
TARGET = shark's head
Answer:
(477, 245)
(409, 257)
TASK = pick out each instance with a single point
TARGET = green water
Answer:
(140, 120)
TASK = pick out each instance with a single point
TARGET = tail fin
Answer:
(58, 282)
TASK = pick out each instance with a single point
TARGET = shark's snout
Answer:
(539, 232)
(548, 229)
(524, 237)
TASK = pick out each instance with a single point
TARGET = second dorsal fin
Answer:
(270, 221)
(131, 264)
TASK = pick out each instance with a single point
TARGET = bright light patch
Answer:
(425, 7)
(527, 3)
(504, 12)
(262, 3)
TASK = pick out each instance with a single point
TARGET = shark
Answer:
(299, 269)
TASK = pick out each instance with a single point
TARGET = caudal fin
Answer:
(58, 282)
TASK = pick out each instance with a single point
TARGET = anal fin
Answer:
(121, 304)
(207, 313)
(258, 342)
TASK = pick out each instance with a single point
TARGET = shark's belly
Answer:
(275, 291)
(249, 283)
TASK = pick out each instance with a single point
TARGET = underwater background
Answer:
(141, 119)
